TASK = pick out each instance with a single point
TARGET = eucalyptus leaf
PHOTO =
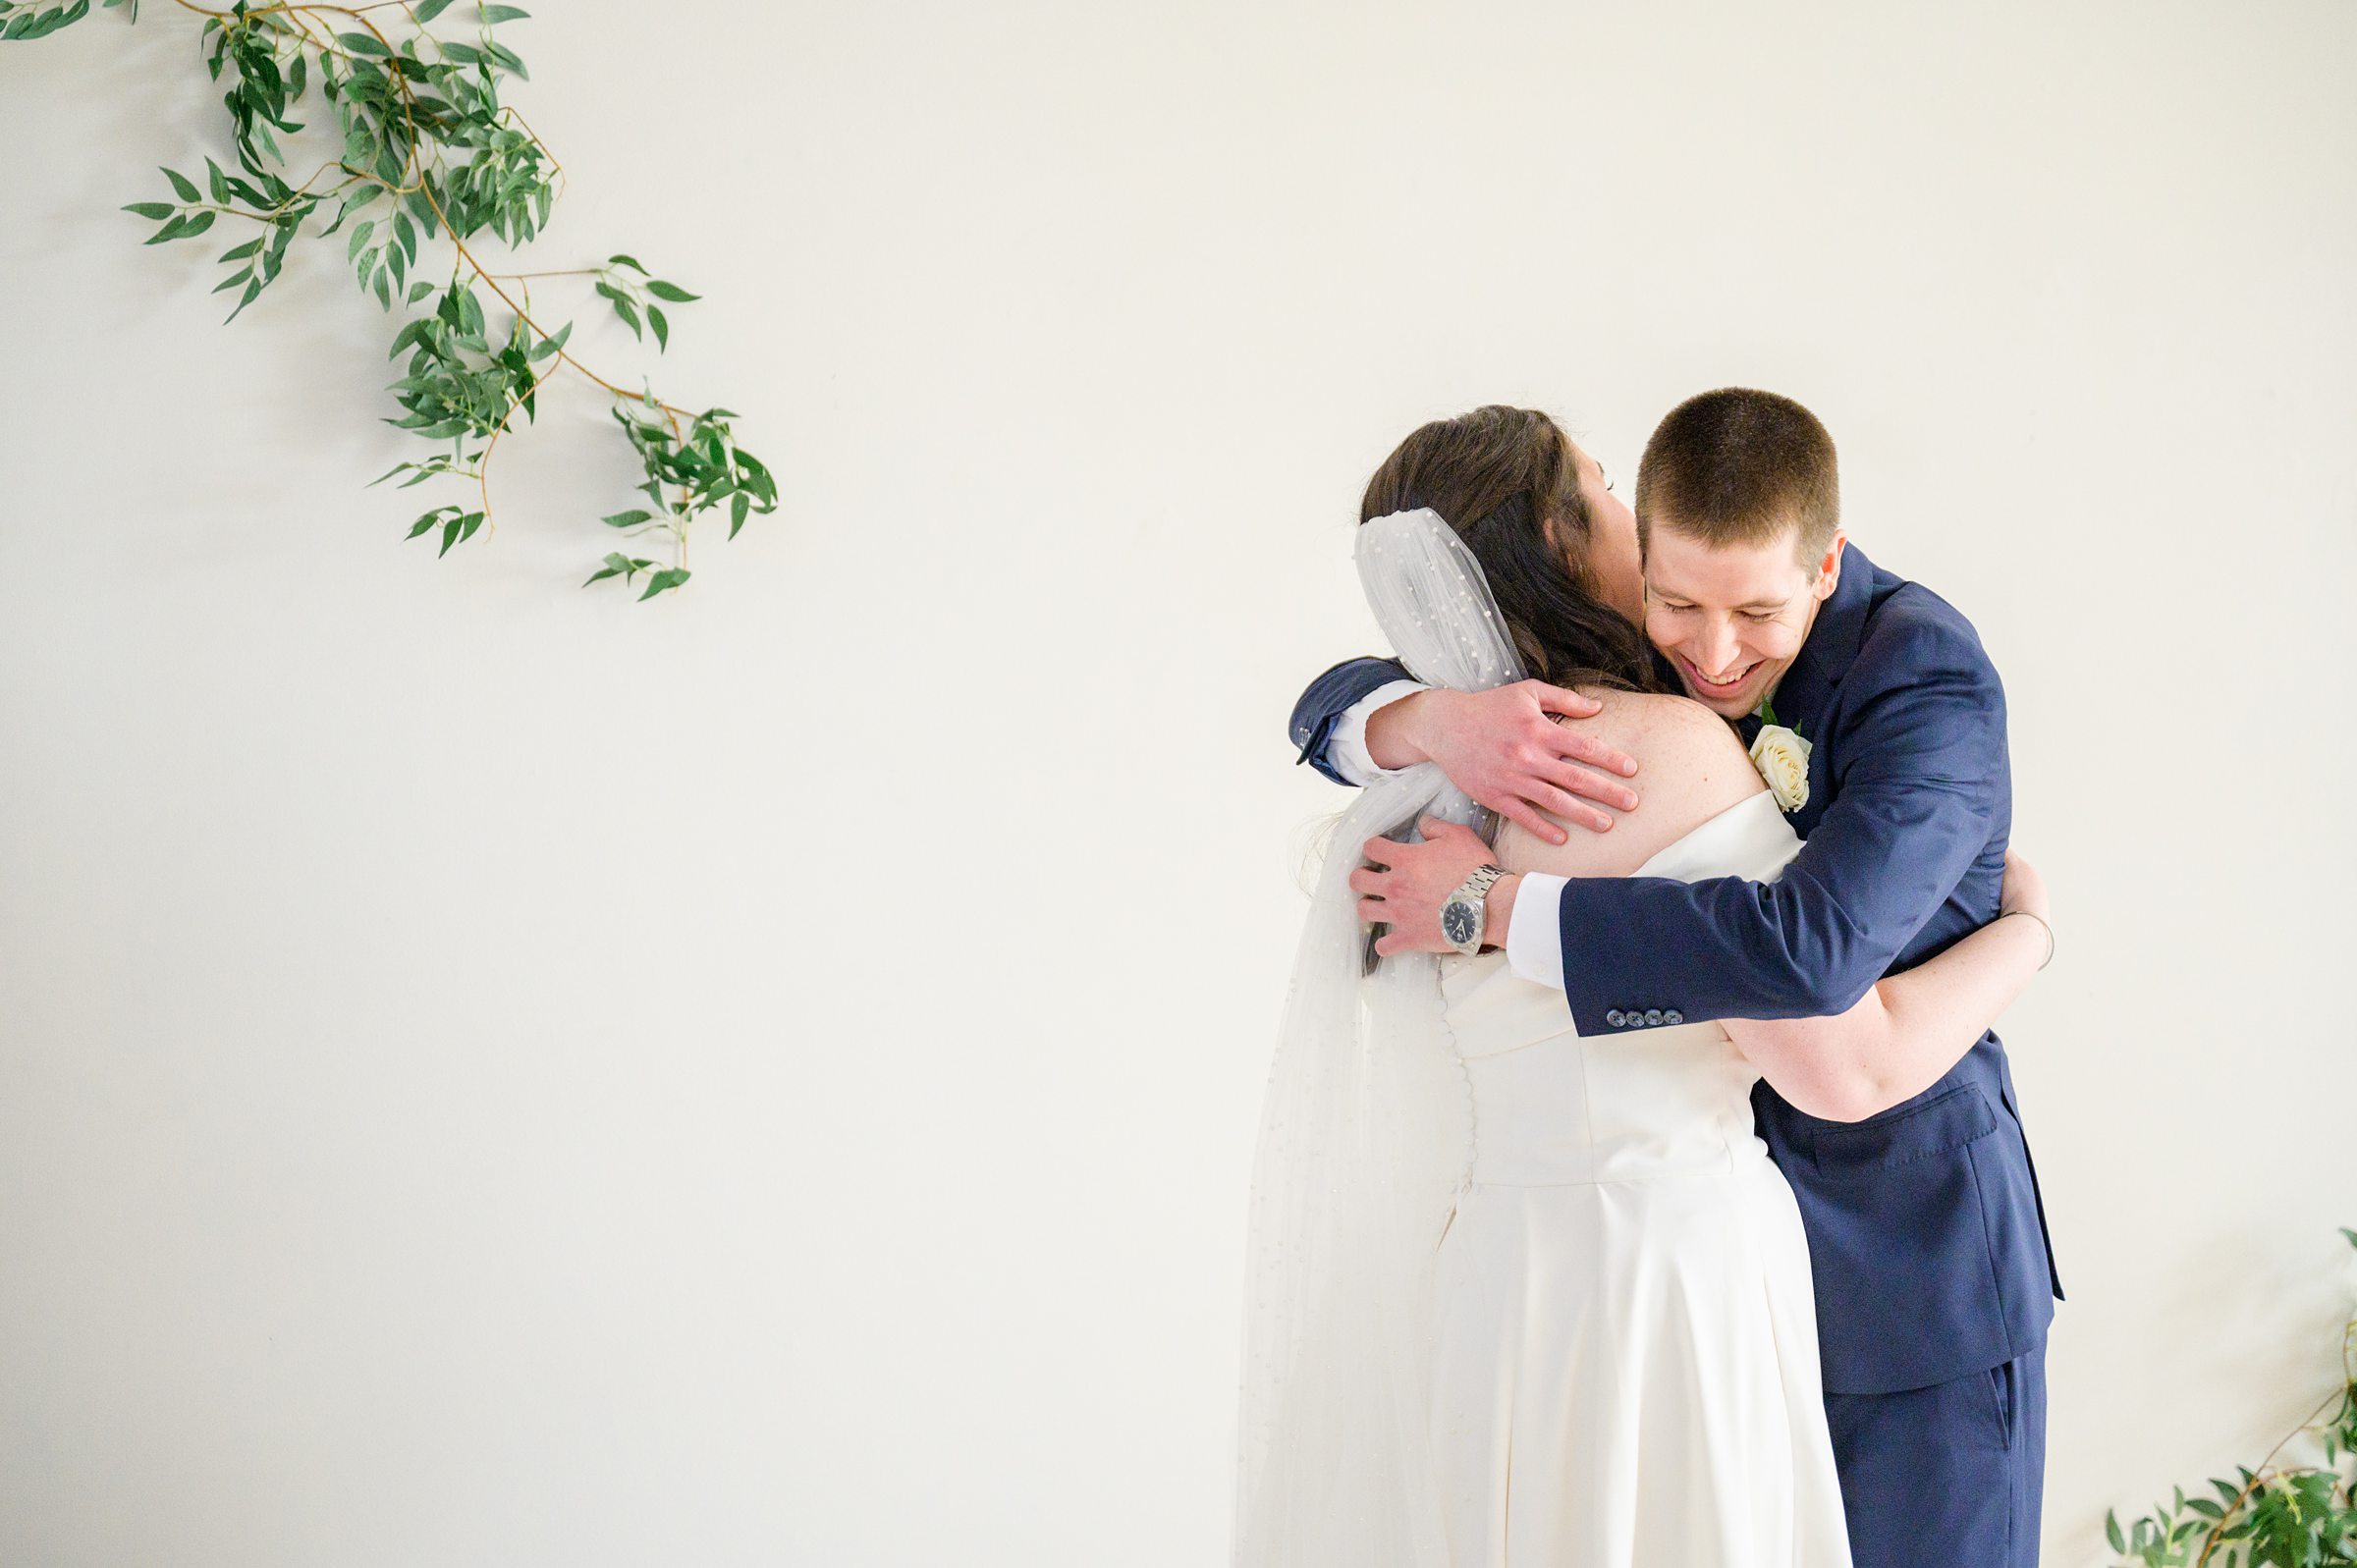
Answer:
(420, 119)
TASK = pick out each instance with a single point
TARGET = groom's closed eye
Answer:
(1675, 607)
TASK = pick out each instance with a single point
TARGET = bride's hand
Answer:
(1505, 748)
(2024, 891)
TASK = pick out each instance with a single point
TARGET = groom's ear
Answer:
(1829, 570)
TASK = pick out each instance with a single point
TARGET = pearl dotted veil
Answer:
(1365, 1135)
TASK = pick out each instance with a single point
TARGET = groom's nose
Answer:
(1718, 648)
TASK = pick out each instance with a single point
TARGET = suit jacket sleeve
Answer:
(1918, 770)
(1329, 696)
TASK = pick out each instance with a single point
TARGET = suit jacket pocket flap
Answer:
(1948, 1120)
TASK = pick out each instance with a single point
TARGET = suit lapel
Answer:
(1804, 698)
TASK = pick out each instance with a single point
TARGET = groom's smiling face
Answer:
(1732, 617)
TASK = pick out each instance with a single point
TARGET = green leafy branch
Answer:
(426, 155)
(22, 20)
(2291, 1516)
(631, 297)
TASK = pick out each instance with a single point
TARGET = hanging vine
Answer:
(424, 155)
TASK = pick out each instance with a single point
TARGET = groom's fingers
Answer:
(1558, 699)
(1572, 808)
(1580, 780)
(1439, 830)
(1577, 745)
(1526, 816)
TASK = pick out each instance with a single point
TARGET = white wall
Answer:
(494, 1075)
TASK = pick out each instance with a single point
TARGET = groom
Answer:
(1927, 1237)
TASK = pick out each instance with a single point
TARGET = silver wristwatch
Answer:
(1464, 914)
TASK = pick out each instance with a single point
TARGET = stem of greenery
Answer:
(2289, 1516)
(428, 154)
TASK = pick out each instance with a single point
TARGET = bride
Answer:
(1516, 1298)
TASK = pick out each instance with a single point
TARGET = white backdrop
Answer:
(494, 1075)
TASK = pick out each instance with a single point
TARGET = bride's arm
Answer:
(1907, 1033)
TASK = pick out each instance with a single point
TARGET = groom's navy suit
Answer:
(1927, 1237)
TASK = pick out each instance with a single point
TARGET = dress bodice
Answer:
(1550, 1107)
(1625, 1335)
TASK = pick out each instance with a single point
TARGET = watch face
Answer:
(1460, 923)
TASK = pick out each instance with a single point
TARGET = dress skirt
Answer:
(1624, 1332)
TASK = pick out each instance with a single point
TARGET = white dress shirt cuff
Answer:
(1534, 938)
(1347, 750)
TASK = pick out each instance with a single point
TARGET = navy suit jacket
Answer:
(1927, 1234)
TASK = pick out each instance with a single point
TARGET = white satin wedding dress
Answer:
(1514, 1299)
(1624, 1339)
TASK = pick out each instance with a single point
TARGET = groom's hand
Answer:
(1508, 749)
(1405, 883)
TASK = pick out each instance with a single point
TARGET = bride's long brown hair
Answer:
(1498, 476)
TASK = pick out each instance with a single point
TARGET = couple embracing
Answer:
(1639, 1180)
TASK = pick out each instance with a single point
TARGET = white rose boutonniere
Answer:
(1783, 758)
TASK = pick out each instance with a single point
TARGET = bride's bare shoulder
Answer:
(1690, 766)
(1687, 735)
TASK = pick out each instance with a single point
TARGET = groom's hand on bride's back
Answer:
(1402, 887)
(1518, 749)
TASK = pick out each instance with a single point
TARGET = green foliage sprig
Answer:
(2289, 1516)
(427, 154)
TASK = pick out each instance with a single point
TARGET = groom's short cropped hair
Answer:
(1737, 467)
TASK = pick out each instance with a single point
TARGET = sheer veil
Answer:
(1365, 1136)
